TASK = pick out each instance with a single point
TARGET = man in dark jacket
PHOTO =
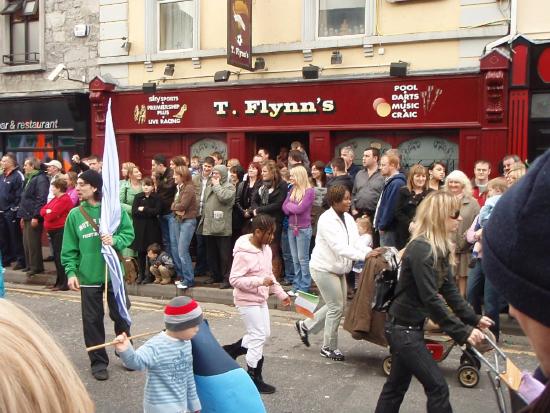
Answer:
(347, 154)
(11, 188)
(166, 190)
(384, 218)
(340, 177)
(34, 197)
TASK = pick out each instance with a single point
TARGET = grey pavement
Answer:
(305, 381)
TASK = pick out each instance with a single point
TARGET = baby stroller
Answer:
(440, 345)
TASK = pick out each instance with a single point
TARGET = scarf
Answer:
(264, 192)
(30, 175)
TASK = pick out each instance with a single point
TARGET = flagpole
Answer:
(111, 343)
(105, 302)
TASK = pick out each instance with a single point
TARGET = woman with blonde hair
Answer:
(297, 206)
(408, 199)
(124, 170)
(425, 290)
(458, 184)
(36, 374)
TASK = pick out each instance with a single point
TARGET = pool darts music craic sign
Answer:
(407, 101)
(239, 33)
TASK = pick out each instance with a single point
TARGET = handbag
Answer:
(384, 286)
(129, 264)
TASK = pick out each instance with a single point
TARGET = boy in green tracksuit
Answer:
(85, 267)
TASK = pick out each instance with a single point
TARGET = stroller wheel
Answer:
(468, 376)
(386, 365)
(469, 360)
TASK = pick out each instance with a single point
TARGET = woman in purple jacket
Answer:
(297, 206)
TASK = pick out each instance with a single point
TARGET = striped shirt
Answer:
(170, 385)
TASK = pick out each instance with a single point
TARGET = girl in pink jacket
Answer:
(253, 280)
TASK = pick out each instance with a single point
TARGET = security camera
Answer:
(56, 72)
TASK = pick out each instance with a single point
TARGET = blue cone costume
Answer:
(222, 385)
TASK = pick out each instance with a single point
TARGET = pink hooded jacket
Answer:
(250, 266)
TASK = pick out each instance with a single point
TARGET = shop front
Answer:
(48, 127)
(454, 118)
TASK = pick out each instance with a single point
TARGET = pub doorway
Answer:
(274, 142)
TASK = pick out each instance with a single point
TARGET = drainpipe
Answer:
(513, 28)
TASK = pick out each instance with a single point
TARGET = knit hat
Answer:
(93, 178)
(222, 169)
(182, 313)
(515, 243)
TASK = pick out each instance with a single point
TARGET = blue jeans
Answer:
(299, 248)
(181, 233)
(480, 291)
(165, 231)
(287, 256)
(410, 357)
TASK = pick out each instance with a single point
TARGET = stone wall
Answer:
(79, 54)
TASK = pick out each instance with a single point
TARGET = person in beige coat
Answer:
(216, 224)
(458, 184)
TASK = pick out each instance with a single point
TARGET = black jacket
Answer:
(424, 291)
(245, 195)
(11, 188)
(166, 190)
(146, 223)
(345, 180)
(405, 209)
(34, 197)
(274, 204)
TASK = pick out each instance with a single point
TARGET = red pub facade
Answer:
(455, 118)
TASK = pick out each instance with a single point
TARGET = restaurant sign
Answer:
(239, 33)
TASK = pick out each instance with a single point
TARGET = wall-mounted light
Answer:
(126, 45)
(310, 72)
(222, 76)
(169, 69)
(398, 68)
(336, 58)
(259, 63)
(149, 87)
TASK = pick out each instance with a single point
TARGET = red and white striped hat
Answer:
(182, 313)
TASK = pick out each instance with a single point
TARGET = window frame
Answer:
(345, 36)
(195, 32)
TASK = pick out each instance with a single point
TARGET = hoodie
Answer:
(217, 208)
(384, 218)
(250, 267)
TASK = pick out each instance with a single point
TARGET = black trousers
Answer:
(410, 357)
(92, 322)
(12, 238)
(56, 237)
(32, 245)
(218, 252)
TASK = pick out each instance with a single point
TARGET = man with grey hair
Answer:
(347, 154)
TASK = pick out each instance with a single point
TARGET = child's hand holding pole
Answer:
(122, 343)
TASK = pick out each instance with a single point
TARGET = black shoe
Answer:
(19, 266)
(101, 375)
(32, 273)
(256, 376)
(49, 259)
(302, 332)
(225, 285)
(236, 349)
(335, 354)
(210, 281)
(286, 283)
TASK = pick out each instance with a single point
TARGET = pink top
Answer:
(250, 267)
(73, 195)
(299, 214)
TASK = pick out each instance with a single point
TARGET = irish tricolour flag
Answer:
(306, 303)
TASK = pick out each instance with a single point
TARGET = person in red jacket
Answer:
(55, 213)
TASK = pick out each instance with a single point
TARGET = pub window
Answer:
(341, 17)
(24, 32)
(175, 24)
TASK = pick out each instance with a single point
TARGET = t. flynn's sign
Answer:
(336, 105)
(239, 33)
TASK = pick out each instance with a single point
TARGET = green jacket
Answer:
(81, 251)
(217, 209)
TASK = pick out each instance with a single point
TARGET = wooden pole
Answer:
(112, 343)
(105, 302)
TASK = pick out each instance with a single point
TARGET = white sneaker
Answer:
(291, 293)
(181, 285)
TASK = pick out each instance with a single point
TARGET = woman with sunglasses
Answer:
(425, 290)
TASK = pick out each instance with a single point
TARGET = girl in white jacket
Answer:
(332, 258)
